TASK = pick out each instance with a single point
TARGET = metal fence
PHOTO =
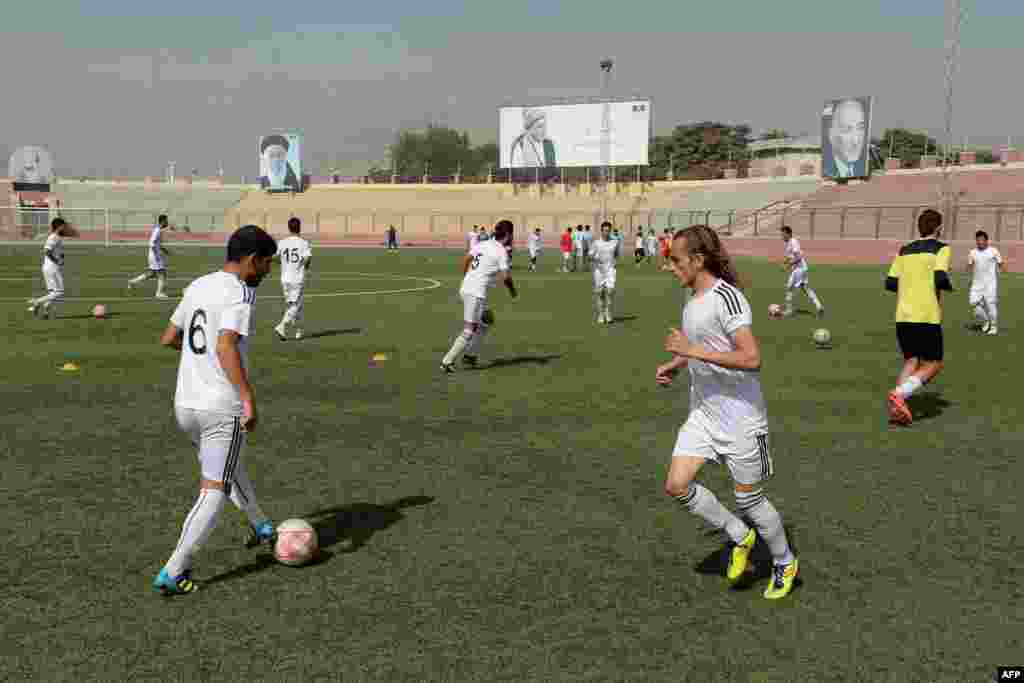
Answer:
(114, 226)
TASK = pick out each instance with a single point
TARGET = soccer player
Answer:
(796, 263)
(578, 248)
(728, 421)
(565, 244)
(603, 256)
(666, 248)
(214, 402)
(918, 276)
(534, 247)
(638, 247)
(985, 262)
(157, 266)
(473, 237)
(588, 239)
(296, 256)
(53, 271)
(481, 267)
(651, 248)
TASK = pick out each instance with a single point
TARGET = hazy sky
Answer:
(127, 86)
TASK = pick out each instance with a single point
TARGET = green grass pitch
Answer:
(508, 523)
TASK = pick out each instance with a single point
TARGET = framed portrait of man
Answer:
(31, 168)
(281, 162)
(846, 138)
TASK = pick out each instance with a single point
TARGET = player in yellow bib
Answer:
(919, 275)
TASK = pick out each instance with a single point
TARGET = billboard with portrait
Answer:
(846, 138)
(587, 134)
(281, 162)
(31, 168)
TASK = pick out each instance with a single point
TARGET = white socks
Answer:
(609, 297)
(243, 495)
(703, 503)
(199, 524)
(911, 385)
(813, 297)
(458, 346)
(161, 280)
(473, 347)
(768, 521)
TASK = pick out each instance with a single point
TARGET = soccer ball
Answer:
(99, 311)
(296, 543)
(822, 337)
(774, 310)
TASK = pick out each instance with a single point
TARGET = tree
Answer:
(700, 150)
(907, 145)
(435, 151)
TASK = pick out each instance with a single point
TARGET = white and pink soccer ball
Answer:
(99, 311)
(296, 543)
(774, 311)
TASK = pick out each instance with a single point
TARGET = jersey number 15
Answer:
(291, 255)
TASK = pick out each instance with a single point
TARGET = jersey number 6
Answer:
(197, 328)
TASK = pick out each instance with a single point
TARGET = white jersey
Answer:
(214, 302)
(294, 253)
(652, 244)
(795, 254)
(472, 239)
(986, 268)
(156, 246)
(577, 240)
(730, 401)
(533, 243)
(639, 243)
(54, 245)
(488, 259)
(603, 253)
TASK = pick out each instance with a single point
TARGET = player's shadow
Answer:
(624, 318)
(759, 566)
(520, 360)
(89, 316)
(927, 406)
(332, 333)
(354, 524)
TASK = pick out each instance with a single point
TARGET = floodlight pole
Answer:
(606, 124)
(954, 21)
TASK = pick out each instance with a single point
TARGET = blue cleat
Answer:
(166, 586)
(263, 533)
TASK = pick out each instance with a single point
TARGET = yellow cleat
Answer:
(783, 577)
(740, 556)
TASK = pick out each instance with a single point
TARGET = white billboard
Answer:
(590, 134)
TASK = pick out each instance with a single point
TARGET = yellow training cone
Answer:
(69, 367)
(380, 357)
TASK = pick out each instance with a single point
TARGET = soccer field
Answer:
(506, 523)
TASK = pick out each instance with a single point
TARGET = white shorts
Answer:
(604, 280)
(157, 266)
(54, 278)
(293, 292)
(566, 255)
(473, 308)
(988, 294)
(797, 278)
(220, 440)
(747, 456)
(534, 253)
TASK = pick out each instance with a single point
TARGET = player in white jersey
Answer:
(985, 262)
(296, 256)
(53, 270)
(797, 265)
(577, 248)
(651, 246)
(481, 267)
(155, 255)
(603, 255)
(214, 402)
(473, 237)
(533, 245)
(728, 422)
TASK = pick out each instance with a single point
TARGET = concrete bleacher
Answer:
(445, 212)
(886, 206)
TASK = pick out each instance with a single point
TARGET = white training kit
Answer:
(728, 421)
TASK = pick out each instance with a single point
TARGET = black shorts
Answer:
(920, 340)
(639, 253)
